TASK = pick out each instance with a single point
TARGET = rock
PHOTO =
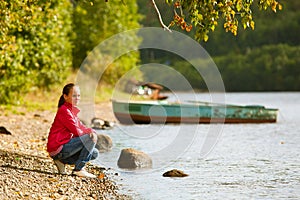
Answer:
(132, 159)
(104, 143)
(175, 173)
(37, 115)
(3, 130)
(25, 170)
(97, 123)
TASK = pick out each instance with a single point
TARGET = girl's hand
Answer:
(94, 137)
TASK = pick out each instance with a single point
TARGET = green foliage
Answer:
(271, 28)
(206, 14)
(181, 75)
(35, 48)
(39, 39)
(94, 22)
(271, 68)
(263, 59)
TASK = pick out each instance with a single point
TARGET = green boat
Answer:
(145, 112)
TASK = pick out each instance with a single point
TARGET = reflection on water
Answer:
(249, 161)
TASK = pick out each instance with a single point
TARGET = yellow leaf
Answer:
(52, 179)
(205, 38)
(274, 5)
(200, 17)
(16, 144)
(252, 25)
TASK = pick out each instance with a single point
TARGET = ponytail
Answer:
(61, 101)
(66, 91)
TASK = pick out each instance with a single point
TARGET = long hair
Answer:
(66, 91)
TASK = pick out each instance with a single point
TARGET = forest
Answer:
(43, 42)
(265, 59)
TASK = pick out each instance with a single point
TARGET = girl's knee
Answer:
(86, 139)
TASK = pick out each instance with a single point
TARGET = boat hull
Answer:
(154, 112)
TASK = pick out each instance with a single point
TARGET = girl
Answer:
(69, 141)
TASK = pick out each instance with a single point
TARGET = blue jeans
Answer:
(78, 151)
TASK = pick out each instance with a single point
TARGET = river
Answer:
(231, 161)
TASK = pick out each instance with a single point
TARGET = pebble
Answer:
(27, 172)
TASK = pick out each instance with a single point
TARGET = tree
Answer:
(204, 15)
(95, 21)
(263, 59)
(37, 39)
(35, 49)
(270, 28)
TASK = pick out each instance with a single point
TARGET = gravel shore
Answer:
(27, 172)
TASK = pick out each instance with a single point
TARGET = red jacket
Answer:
(66, 126)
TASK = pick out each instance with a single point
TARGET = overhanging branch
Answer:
(159, 17)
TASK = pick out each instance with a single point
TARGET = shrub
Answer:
(34, 45)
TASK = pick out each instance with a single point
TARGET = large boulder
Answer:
(104, 143)
(175, 173)
(132, 159)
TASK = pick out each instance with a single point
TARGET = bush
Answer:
(35, 49)
(94, 24)
(269, 68)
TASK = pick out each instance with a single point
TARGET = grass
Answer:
(47, 99)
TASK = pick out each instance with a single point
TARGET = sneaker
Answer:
(83, 173)
(60, 167)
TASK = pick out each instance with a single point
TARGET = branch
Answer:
(159, 17)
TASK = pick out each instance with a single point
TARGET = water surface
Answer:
(248, 161)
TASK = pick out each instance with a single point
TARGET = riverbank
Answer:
(27, 172)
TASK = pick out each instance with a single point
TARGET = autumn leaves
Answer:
(205, 15)
(179, 18)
